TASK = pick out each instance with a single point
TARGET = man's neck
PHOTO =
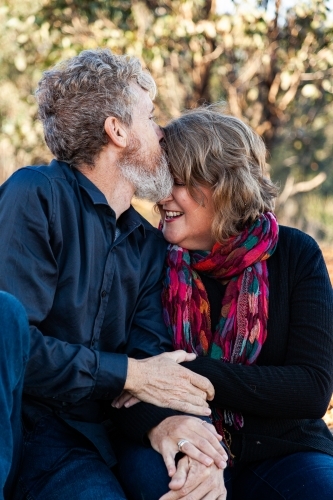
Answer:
(106, 175)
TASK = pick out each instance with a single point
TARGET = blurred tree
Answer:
(274, 73)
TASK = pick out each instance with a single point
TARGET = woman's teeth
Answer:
(172, 215)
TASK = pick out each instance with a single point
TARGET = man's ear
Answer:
(116, 131)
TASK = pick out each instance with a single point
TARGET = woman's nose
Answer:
(166, 199)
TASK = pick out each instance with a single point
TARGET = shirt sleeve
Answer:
(149, 335)
(28, 270)
(301, 386)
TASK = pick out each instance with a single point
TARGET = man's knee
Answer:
(14, 326)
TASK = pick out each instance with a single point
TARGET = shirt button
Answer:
(103, 293)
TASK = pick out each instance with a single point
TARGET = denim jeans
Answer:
(59, 463)
(14, 352)
(141, 471)
(298, 476)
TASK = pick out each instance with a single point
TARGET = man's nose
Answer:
(159, 132)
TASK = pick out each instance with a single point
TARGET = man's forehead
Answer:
(144, 103)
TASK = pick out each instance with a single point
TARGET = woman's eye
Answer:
(152, 118)
(178, 182)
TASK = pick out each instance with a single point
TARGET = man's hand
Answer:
(203, 442)
(161, 381)
(194, 481)
(125, 399)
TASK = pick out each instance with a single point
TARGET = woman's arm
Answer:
(296, 381)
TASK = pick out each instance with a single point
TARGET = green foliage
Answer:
(276, 76)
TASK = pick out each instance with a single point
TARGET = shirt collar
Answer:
(96, 196)
(130, 218)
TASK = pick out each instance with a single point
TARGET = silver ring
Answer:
(181, 443)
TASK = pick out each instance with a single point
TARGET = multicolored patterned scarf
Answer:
(242, 328)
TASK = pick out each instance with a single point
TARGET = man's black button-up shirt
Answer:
(92, 298)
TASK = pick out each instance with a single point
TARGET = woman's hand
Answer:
(194, 481)
(202, 441)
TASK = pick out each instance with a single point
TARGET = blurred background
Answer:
(270, 61)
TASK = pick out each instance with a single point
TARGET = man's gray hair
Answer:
(77, 95)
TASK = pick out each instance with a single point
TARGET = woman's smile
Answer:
(186, 222)
(171, 216)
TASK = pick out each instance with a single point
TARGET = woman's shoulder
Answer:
(296, 254)
(295, 241)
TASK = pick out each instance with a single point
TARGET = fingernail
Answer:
(222, 465)
(208, 411)
(208, 461)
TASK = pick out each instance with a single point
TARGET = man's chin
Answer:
(152, 186)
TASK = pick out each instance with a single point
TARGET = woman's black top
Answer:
(215, 291)
(285, 394)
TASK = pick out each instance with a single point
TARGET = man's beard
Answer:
(148, 172)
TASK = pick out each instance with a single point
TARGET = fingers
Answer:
(179, 356)
(131, 402)
(192, 405)
(179, 477)
(119, 401)
(169, 459)
(163, 382)
(209, 442)
(208, 456)
(125, 399)
(204, 384)
(201, 483)
(198, 381)
(202, 442)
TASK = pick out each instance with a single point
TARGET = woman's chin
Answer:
(169, 238)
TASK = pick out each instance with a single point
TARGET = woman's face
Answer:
(185, 222)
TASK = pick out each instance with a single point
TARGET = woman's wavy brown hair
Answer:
(207, 147)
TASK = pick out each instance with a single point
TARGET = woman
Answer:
(254, 301)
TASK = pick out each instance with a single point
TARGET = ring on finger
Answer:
(181, 443)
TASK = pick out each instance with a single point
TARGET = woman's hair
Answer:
(77, 95)
(210, 148)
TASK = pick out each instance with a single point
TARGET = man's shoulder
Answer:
(40, 174)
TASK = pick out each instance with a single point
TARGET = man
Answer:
(86, 267)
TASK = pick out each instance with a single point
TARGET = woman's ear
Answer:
(116, 131)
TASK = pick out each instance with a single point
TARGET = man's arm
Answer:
(56, 369)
